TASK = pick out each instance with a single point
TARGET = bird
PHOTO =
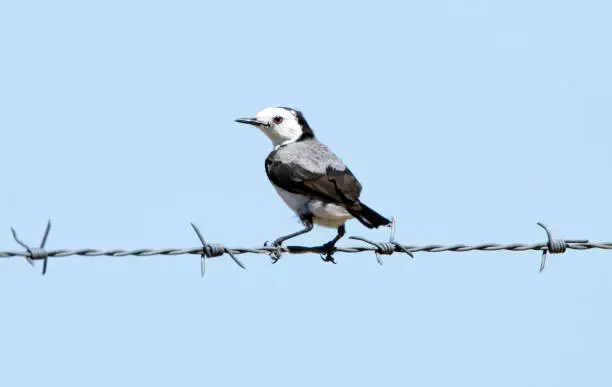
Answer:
(310, 178)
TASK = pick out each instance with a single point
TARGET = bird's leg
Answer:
(328, 248)
(307, 221)
(307, 228)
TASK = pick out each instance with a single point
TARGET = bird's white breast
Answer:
(298, 203)
(324, 214)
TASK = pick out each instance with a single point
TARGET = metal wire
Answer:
(552, 246)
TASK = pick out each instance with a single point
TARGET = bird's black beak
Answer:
(250, 121)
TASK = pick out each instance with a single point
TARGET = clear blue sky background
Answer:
(467, 120)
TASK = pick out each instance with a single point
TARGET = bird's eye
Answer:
(277, 120)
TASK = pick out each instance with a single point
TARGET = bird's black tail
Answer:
(369, 218)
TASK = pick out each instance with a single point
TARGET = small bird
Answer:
(310, 178)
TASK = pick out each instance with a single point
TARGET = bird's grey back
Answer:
(308, 154)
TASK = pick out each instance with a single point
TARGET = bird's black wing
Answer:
(333, 184)
(337, 186)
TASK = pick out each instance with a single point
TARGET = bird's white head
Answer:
(282, 125)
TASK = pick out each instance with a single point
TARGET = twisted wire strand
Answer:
(305, 250)
(212, 250)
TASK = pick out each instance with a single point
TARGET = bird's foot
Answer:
(328, 258)
(275, 255)
(328, 251)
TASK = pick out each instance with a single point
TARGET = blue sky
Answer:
(468, 121)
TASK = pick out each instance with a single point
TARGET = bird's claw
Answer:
(328, 253)
(328, 257)
(275, 255)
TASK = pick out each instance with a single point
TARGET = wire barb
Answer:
(555, 246)
(386, 248)
(212, 250)
(36, 252)
(392, 239)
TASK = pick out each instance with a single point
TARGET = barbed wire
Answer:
(213, 250)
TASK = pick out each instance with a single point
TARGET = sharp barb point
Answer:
(199, 234)
(235, 259)
(46, 234)
(44, 268)
(27, 258)
(543, 262)
(203, 255)
(19, 241)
